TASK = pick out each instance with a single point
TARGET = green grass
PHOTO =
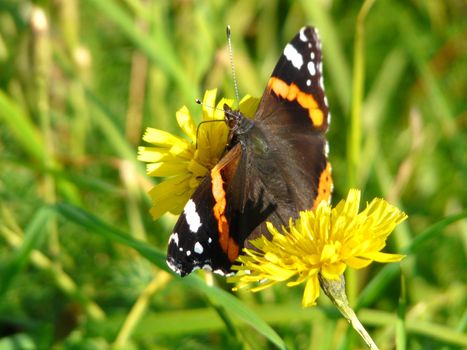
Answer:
(82, 263)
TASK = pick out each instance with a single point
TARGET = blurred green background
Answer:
(80, 257)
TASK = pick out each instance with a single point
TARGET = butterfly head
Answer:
(236, 121)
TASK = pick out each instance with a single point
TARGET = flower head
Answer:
(184, 162)
(320, 243)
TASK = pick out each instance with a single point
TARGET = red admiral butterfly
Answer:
(276, 165)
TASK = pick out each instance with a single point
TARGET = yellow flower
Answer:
(320, 244)
(184, 162)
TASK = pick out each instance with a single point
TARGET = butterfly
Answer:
(275, 165)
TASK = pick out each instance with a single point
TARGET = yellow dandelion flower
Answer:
(320, 244)
(183, 162)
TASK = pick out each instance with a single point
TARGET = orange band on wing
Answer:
(229, 246)
(324, 187)
(293, 93)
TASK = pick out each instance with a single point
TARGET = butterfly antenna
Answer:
(232, 67)
(198, 101)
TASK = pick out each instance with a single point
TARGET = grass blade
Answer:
(160, 53)
(96, 225)
(216, 295)
(21, 127)
(34, 235)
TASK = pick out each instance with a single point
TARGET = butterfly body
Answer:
(275, 166)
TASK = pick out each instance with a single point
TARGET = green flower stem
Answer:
(401, 333)
(139, 308)
(335, 290)
(354, 137)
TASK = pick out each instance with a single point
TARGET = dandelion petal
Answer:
(185, 122)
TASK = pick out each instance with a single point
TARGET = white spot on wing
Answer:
(308, 82)
(188, 253)
(198, 248)
(326, 149)
(302, 34)
(219, 272)
(312, 54)
(311, 68)
(173, 267)
(293, 56)
(192, 217)
(207, 267)
(209, 240)
(318, 41)
(222, 273)
(174, 238)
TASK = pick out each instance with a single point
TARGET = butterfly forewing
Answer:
(194, 242)
(296, 85)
